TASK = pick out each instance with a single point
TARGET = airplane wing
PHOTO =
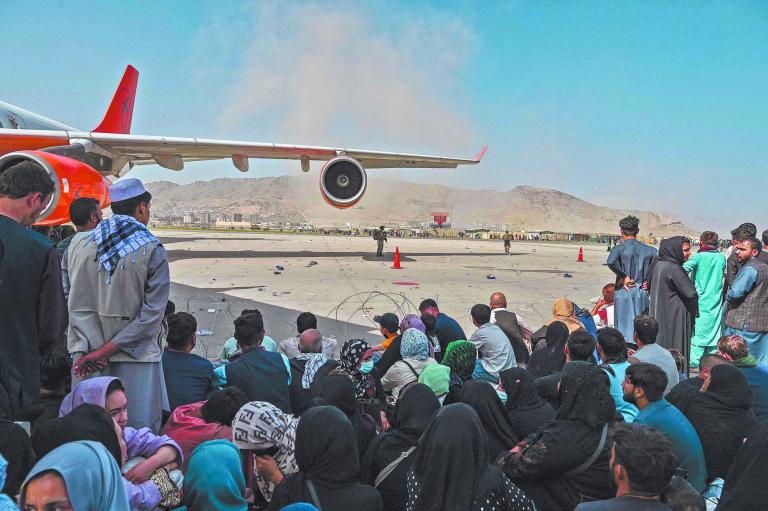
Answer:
(172, 152)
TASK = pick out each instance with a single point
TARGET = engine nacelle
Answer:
(343, 181)
(72, 179)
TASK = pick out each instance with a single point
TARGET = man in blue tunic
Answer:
(630, 261)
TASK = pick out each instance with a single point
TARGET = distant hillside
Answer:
(297, 198)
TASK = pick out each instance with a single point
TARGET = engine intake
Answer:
(343, 181)
(72, 179)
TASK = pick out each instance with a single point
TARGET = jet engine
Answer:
(343, 182)
(72, 179)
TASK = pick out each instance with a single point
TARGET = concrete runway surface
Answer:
(217, 274)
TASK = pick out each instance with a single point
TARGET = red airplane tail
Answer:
(120, 112)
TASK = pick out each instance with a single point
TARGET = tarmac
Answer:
(217, 274)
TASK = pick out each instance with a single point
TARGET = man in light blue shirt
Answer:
(644, 386)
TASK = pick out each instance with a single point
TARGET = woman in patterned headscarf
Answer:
(460, 356)
(414, 348)
(357, 363)
(270, 434)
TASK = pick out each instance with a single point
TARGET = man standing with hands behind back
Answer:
(117, 280)
(630, 261)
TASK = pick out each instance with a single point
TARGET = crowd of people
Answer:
(104, 405)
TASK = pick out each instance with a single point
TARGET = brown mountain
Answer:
(390, 201)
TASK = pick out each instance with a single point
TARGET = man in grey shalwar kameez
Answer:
(117, 281)
(673, 297)
(630, 261)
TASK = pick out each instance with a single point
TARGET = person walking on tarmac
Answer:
(507, 242)
(380, 236)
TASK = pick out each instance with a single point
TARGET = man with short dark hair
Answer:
(494, 352)
(117, 282)
(230, 352)
(290, 347)
(733, 263)
(706, 268)
(642, 465)
(188, 376)
(643, 386)
(734, 349)
(645, 330)
(448, 329)
(262, 375)
(612, 349)
(630, 261)
(86, 214)
(309, 366)
(747, 296)
(579, 349)
(31, 298)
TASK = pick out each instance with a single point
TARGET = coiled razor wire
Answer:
(399, 301)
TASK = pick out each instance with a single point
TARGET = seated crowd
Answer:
(579, 421)
(103, 405)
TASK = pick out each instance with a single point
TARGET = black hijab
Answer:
(415, 409)
(670, 250)
(585, 395)
(326, 451)
(481, 396)
(16, 448)
(722, 416)
(551, 359)
(451, 460)
(745, 482)
(525, 409)
(339, 390)
(86, 422)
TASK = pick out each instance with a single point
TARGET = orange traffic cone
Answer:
(581, 255)
(396, 265)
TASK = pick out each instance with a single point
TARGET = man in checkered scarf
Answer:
(117, 282)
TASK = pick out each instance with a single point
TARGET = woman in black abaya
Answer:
(326, 452)
(674, 302)
(481, 396)
(415, 408)
(451, 471)
(566, 460)
(722, 416)
(527, 412)
(339, 390)
(550, 359)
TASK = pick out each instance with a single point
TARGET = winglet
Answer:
(120, 112)
(480, 155)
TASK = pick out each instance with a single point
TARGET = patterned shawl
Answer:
(314, 362)
(352, 353)
(118, 237)
(258, 426)
(461, 356)
(414, 344)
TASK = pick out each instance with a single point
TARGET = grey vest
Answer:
(99, 310)
(751, 313)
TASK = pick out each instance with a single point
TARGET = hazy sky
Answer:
(658, 105)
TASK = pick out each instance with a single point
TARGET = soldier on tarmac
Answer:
(380, 236)
(507, 241)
